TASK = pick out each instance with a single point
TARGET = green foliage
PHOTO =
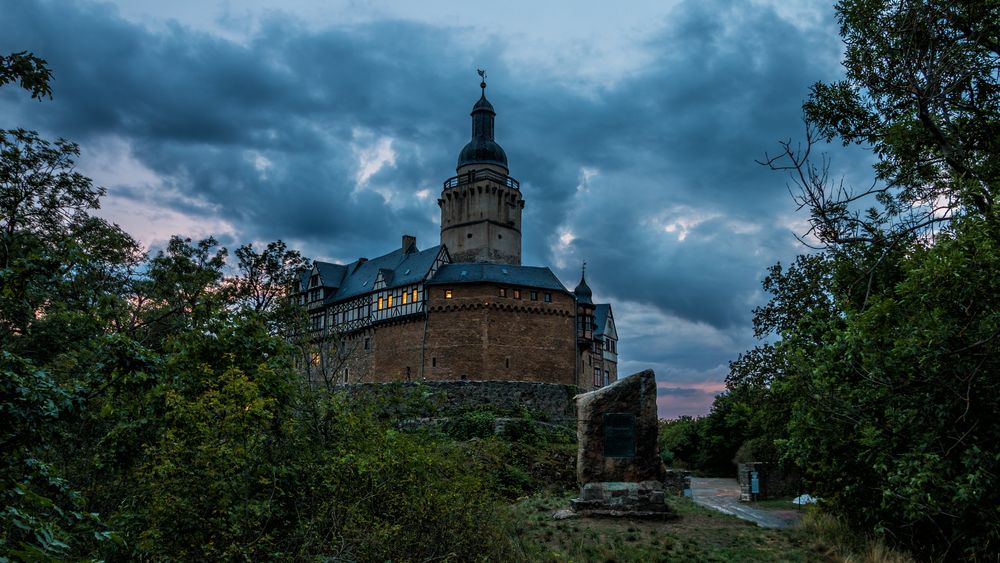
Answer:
(878, 376)
(29, 71)
(473, 424)
(708, 444)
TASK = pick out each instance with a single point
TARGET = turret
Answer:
(481, 206)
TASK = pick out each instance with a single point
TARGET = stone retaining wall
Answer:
(549, 402)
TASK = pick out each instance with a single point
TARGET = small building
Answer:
(466, 308)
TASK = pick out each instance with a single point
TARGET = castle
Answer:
(466, 308)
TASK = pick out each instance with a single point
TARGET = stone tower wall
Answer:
(481, 221)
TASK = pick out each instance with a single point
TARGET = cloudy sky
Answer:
(633, 129)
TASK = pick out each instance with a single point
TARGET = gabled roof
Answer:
(471, 272)
(601, 313)
(330, 275)
(398, 269)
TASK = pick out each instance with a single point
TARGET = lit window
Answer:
(534, 296)
(414, 297)
(517, 294)
(548, 298)
(406, 297)
(381, 303)
(447, 294)
(315, 358)
(390, 301)
(503, 292)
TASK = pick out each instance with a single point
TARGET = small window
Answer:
(406, 297)
(534, 296)
(381, 303)
(434, 362)
(390, 301)
(548, 298)
(507, 361)
(503, 292)
(607, 377)
(597, 377)
(517, 294)
(447, 294)
(414, 296)
(368, 343)
(345, 375)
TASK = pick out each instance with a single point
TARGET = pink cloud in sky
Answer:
(686, 399)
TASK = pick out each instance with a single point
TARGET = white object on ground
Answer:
(804, 499)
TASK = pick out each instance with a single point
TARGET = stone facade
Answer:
(545, 401)
(481, 216)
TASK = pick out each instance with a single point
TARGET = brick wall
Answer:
(474, 335)
(480, 335)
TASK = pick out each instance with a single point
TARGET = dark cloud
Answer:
(653, 175)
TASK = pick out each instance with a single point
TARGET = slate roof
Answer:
(470, 272)
(357, 278)
(601, 312)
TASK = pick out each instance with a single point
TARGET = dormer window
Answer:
(314, 280)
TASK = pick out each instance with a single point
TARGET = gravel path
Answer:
(724, 495)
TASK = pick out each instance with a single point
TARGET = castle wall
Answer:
(479, 335)
(549, 402)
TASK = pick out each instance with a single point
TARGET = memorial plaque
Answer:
(619, 435)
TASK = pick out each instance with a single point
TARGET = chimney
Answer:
(361, 261)
(409, 244)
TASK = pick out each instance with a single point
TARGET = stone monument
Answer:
(618, 463)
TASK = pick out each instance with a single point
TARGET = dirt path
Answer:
(724, 495)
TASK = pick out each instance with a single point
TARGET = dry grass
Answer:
(846, 545)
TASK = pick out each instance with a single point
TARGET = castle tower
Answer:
(481, 206)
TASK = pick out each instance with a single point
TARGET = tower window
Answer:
(468, 235)
(507, 361)
(499, 236)
(368, 343)
(447, 294)
(434, 362)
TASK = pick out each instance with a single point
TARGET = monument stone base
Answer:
(636, 500)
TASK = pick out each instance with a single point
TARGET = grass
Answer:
(783, 503)
(698, 535)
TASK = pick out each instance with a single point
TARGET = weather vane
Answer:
(482, 74)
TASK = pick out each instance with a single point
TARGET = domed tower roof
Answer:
(482, 149)
(584, 295)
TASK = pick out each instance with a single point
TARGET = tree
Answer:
(881, 359)
(31, 72)
(266, 278)
(921, 90)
